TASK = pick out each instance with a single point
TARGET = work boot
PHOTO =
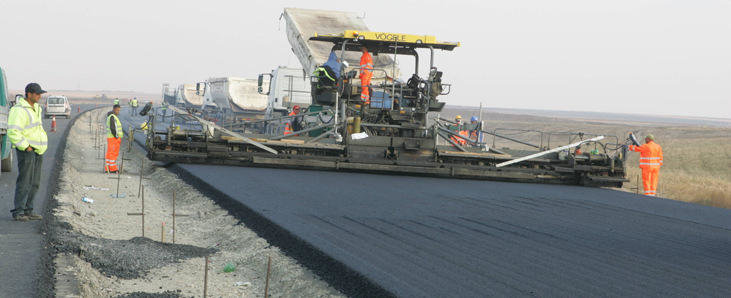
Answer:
(20, 217)
(113, 172)
(33, 216)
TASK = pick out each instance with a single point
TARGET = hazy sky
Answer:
(658, 57)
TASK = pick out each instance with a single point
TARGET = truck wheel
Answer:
(7, 164)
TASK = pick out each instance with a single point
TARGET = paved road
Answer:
(417, 236)
(20, 243)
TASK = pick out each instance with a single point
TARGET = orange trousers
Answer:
(365, 81)
(649, 180)
(110, 163)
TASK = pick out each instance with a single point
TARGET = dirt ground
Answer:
(109, 258)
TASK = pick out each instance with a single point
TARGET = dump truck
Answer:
(301, 24)
(169, 95)
(398, 131)
(237, 95)
(6, 148)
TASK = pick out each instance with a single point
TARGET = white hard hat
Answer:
(345, 63)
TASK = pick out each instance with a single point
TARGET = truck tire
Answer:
(7, 164)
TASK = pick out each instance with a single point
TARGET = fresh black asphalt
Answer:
(409, 236)
(417, 236)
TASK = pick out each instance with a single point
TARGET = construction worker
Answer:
(115, 132)
(116, 101)
(475, 128)
(460, 129)
(366, 73)
(134, 105)
(290, 121)
(650, 163)
(25, 131)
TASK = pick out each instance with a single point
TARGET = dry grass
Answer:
(697, 160)
(696, 169)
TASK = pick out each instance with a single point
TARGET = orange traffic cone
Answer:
(53, 124)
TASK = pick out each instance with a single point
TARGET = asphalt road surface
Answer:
(21, 242)
(419, 236)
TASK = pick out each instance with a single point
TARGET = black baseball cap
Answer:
(34, 88)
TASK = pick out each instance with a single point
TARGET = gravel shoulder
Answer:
(99, 248)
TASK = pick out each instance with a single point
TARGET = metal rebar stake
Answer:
(269, 269)
(175, 214)
(142, 214)
(139, 187)
(205, 279)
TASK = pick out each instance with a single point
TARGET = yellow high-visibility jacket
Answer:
(114, 126)
(25, 127)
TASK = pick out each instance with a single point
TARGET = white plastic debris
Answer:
(87, 200)
(92, 187)
(242, 284)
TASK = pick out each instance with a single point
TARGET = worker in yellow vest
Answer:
(114, 140)
(25, 130)
(133, 103)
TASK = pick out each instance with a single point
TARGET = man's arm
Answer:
(113, 127)
(640, 149)
(16, 122)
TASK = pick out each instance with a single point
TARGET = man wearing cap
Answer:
(650, 163)
(114, 140)
(25, 130)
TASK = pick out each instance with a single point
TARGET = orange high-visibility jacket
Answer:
(288, 126)
(650, 155)
(366, 66)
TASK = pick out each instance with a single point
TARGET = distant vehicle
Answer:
(16, 99)
(57, 105)
(6, 149)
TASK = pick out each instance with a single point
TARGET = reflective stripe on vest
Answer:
(322, 69)
(26, 128)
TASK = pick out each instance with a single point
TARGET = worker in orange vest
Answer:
(366, 73)
(459, 128)
(114, 140)
(650, 163)
(288, 126)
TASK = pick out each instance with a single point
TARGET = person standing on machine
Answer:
(366, 73)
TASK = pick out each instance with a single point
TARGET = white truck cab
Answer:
(57, 105)
(285, 87)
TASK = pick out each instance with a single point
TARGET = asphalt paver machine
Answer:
(398, 132)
